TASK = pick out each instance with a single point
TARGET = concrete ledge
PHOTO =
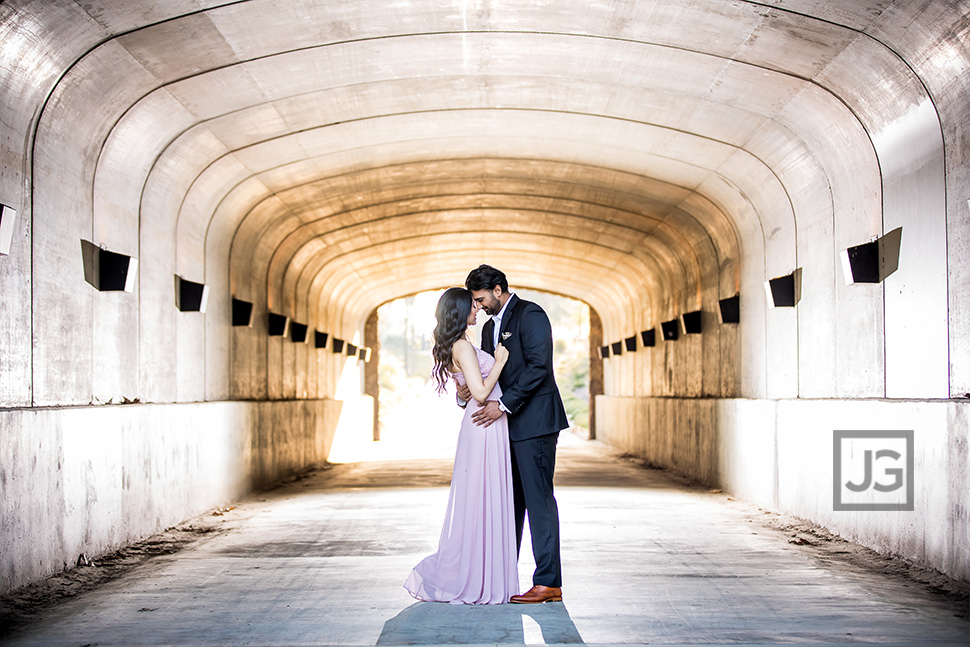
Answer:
(779, 454)
(93, 479)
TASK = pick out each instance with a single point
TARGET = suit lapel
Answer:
(487, 335)
(509, 313)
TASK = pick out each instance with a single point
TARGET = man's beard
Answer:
(493, 308)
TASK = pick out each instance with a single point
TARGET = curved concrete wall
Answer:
(93, 479)
(647, 158)
(779, 454)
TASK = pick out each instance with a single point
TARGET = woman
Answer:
(477, 554)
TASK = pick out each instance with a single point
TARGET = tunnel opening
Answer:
(411, 420)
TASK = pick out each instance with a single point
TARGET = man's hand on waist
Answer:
(487, 413)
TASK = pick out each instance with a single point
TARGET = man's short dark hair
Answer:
(486, 277)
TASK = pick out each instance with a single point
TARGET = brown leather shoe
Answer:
(538, 594)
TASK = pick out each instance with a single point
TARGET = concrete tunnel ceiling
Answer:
(335, 155)
(318, 158)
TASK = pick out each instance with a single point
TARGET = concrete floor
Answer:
(646, 560)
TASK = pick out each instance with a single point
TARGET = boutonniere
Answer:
(506, 335)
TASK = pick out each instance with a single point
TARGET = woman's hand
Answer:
(501, 354)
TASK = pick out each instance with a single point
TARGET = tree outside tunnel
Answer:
(414, 421)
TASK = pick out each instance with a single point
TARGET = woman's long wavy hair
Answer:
(452, 312)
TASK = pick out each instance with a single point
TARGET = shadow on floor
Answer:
(435, 623)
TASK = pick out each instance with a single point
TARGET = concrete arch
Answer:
(316, 158)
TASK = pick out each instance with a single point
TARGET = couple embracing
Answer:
(506, 452)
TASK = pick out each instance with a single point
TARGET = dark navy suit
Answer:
(536, 415)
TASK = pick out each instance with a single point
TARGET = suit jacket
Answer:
(528, 384)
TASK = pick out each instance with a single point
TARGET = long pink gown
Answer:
(476, 558)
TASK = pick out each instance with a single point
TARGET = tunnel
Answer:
(765, 206)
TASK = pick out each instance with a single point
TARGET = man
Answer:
(536, 415)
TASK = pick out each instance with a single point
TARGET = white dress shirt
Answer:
(497, 319)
